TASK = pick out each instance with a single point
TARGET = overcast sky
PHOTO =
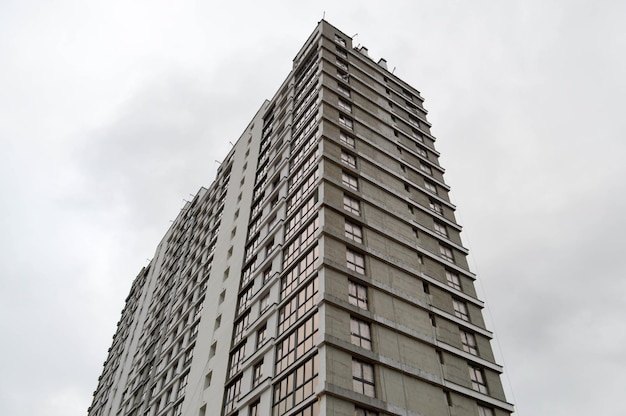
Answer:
(114, 112)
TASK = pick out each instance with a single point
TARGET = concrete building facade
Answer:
(322, 273)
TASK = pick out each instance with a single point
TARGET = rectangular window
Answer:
(421, 151)
(182, 385)
(296, 387)
(244, 300)
(351, 205)
(350, 181)
(485, 411)
(257, 373)
(446, 253)
(264, 302)
(236, 360)
(363, 378)
(254, 409)
(460, 309)
(345, 106)
(300, 341)
(303, 214)
(341, 64)
(426, 169)
(353, 232)
(240, 327)
(261, 336)
(232, 394)
(341, 52)
(441, 229)
(344, 138)
(430, 187)
(357, 295)
(436, 206)
(453, 280)
(298, 306)
(348, 159)
(345, 121)
(355, 261)
(299, 273)
(302, 191)
(340, 40)
(478, 379)
(343, 90)
(301, 242)
(469, 342)
(360, 333)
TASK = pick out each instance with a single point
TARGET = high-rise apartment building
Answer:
(322, 273)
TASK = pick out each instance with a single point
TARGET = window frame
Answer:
(363, 378)
(353, 231)
(357, 295)
(351, 205)
(355, 261)
(360, 333)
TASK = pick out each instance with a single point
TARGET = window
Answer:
(446, 253)
(232, 394)
(363, 412)
(453, 280)
(299, 342)
(478, 379)
(421, 151)
(245, 299)
(341, 64)
(460, 309)
(297, 386)
(257, 373)
(340, 40)
(430, 187)
(300, 272)
(485, 411)
(341, 52)
(357, 295)
(344, 138)
(305, 237)
(345, 106)
(351, 205)
(355, 261)
(469, 342)
(350, 181)
(236, 360)
(354, 232)
(345, 121)
(254, 408)
(343, 90)
(182, 385)
(426, 169)
(267, 274)
(261, 336)
(264, 302)
(360, 333)
(240, 327)
(348, 159)
(363, 378)
(436, 206)
(269, 247)
(441, 229)
(298, 306)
